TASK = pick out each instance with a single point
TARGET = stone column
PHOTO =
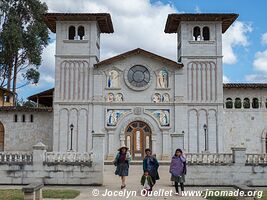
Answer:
(165, 145)
(110, 145)
(239, 155)
(154, 144)
(98, 156)
(39, 151)
(122, 139)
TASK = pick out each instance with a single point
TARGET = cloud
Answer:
(264, 39)
(256, 78)
(225, 79)
(236, 35)
(197, 9)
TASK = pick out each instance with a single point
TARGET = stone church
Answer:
(138, 98)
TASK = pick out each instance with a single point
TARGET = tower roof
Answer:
(175, 19)
(103, 20)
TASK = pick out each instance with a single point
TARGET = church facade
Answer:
(141, 99)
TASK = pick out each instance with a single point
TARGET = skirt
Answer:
(122, 169)
(178, 179)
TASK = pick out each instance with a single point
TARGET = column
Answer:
(122, 139)
(165, 145)
(110, 145)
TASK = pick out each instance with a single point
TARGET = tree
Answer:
(23, 36)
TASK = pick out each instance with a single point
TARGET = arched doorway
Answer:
(138, 138)
(2, 137)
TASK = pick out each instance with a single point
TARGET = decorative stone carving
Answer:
(165, 97)
(162, 116)
(137, 110)
(163, 79)
(119, 97)
(113, 79)
(113, 116)
(110, 97)
(156, 98)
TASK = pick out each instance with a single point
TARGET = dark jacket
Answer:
(152, 168)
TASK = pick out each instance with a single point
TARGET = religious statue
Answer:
(165, 97)
(156, 98)
(113, 79)
(111, 118)
(162, 79)
(119, 97)
(110, 97)
(164, 118)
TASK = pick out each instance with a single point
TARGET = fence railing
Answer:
(256, 158)
(6, 158)
(209, 158)
(68, 157)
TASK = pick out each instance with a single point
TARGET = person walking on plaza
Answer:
(146, 182)
(150, 164)
(178, 170)
(122, 161)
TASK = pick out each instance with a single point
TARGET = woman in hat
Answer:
(121, 162)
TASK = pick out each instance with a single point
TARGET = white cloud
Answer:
(260, 61)
(225, 79)
(256, 78)
(264, 39)
(197, 9)
(236, 35)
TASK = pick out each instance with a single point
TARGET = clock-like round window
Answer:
(138, 76)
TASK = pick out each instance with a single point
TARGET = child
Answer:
(147, 182)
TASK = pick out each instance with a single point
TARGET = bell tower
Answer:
(199, 48)
(77, 51)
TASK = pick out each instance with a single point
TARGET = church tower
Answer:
(199, 44)
(77, 51)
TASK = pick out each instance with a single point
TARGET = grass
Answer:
(15, 194)
(264, 196)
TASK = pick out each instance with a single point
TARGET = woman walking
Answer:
(151, 165)
(121, 162)
(178, 170)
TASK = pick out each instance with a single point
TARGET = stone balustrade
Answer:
(209, 158)
(255, 159)
(68, 157)
(14, 158)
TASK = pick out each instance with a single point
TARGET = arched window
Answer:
(206, 33)
(238, 103)
(71, 33)
(255, 103)
(229, 103)
(196, 33)
(81, 32)
(246, 103)
(266, 143)
(266, 103)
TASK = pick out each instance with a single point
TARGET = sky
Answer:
(140, 23)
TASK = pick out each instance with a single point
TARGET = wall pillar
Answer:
(39, 151)
(239, 155)
(98, 155)
(110, 145)
(165, 145)
(122, 140)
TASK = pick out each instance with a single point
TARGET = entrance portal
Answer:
(138, 138)
(2, 137)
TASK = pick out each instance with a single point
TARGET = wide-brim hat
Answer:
(123, 147)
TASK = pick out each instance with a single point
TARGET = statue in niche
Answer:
(110, 97)
(156, 98)
(113, 79)
(165, 97)
(112, 118)
(119, 97)
(163, 79)
(164, 118)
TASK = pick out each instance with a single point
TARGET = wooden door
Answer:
(138, 138)
(2, 137)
